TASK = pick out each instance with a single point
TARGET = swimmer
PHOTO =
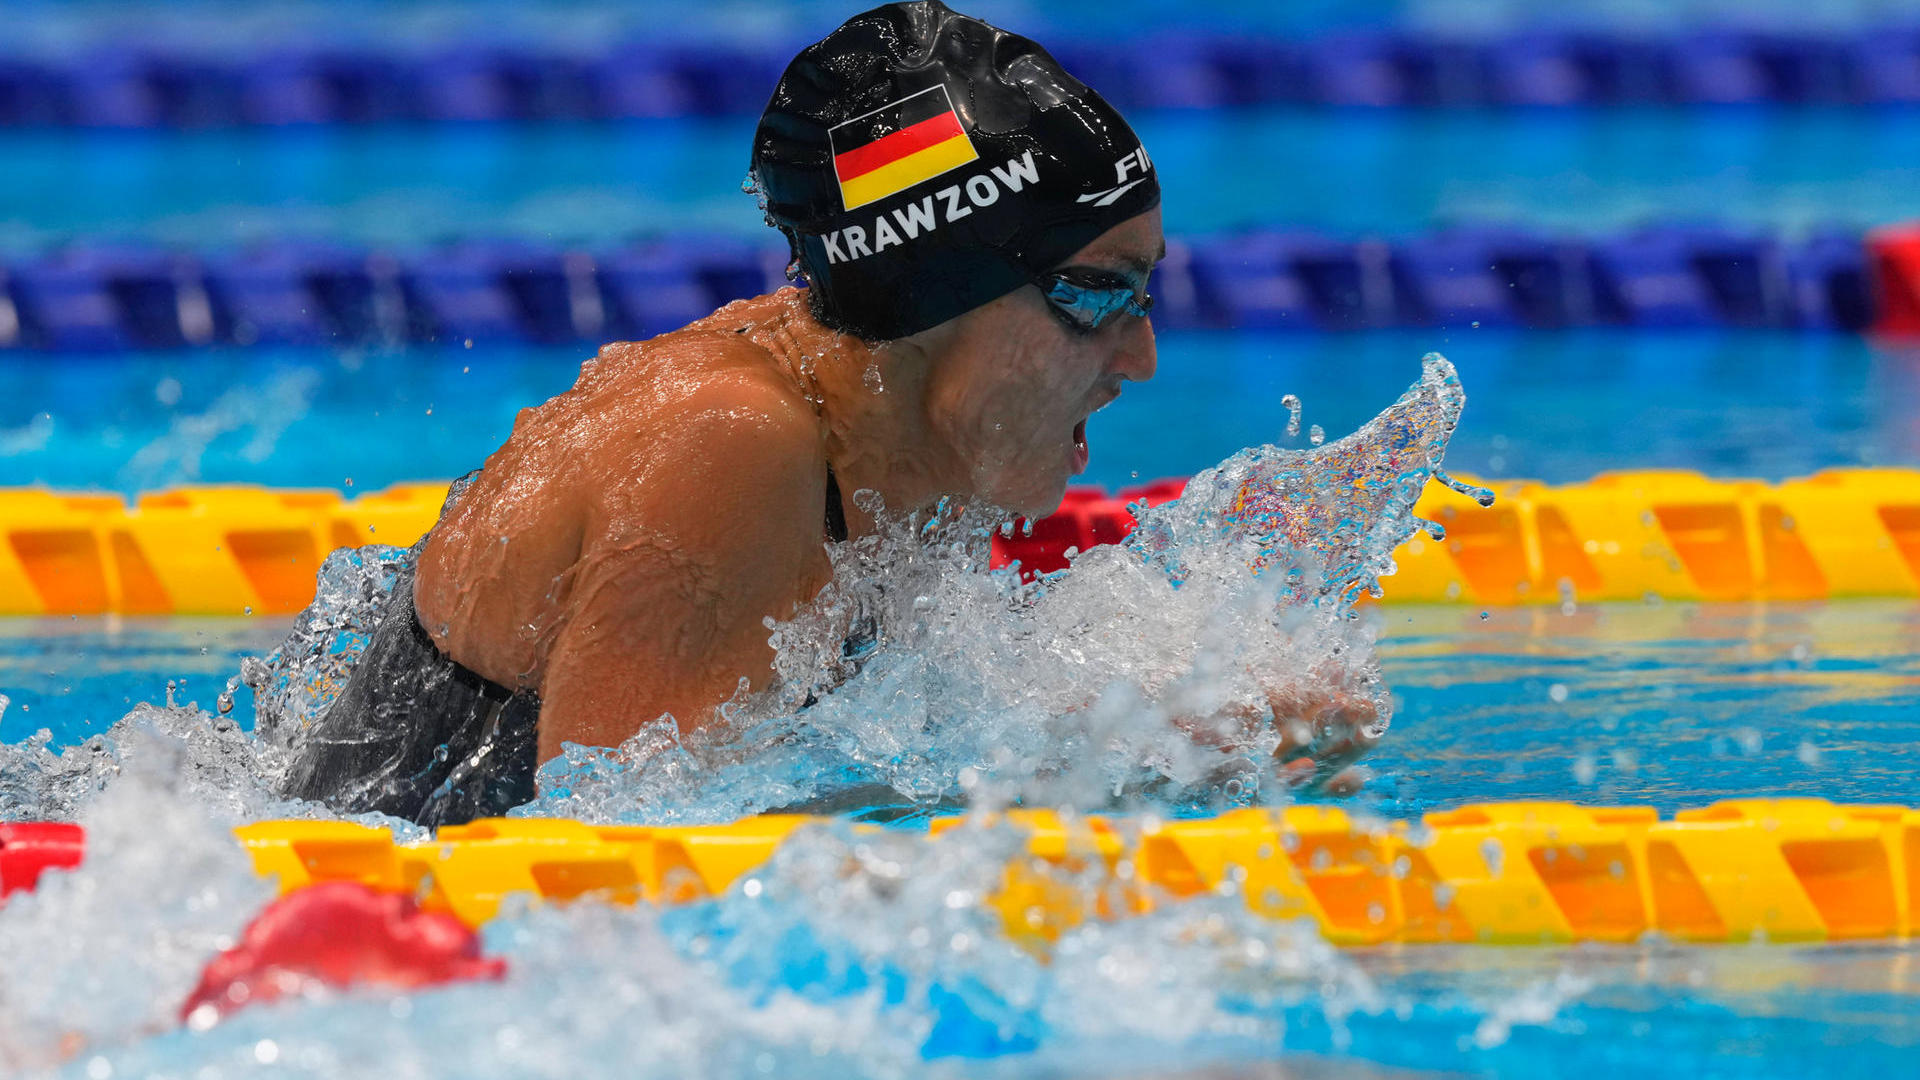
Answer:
(975, 228)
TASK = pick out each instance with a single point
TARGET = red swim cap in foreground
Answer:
(337, 934)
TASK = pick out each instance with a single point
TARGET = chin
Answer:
(1040, 503)
(1025, 497)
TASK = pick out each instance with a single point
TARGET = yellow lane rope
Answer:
(1620, 536)
(1495, 873)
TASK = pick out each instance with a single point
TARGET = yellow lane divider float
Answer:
(1620, 536)
(1510, 873)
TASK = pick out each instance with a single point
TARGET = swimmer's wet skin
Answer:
(976, 229)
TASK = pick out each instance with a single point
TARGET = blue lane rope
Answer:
(105, 296)
(131, 85)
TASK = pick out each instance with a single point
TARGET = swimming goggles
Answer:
(1085, 298)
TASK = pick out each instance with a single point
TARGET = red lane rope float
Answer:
(1528, 872)
(1087, 516)
(1893, 261)
(1620, 536)
(29, 848)
(337, 934)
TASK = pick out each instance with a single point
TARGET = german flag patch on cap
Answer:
(897, 146)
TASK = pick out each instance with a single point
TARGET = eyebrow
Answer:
(1135, 262)
(1139, 264)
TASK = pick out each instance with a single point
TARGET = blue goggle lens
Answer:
(1087, 299)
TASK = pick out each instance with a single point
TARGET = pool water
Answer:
(1670, 705)
(862, 957)
(1557, 406)
(1386, 172)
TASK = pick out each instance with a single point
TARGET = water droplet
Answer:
(1483, 496)
(1316, 435)
(1291, 403)
(1557, 693)
(870, 378)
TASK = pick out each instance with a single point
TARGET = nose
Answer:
(1135, 356)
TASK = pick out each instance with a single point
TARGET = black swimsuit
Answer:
(416, 735)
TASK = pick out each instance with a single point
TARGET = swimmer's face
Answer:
(1012, 383)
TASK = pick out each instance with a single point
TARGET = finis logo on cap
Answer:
(897, 146)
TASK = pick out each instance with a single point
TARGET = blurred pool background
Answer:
(1671, 704)
(209, 131)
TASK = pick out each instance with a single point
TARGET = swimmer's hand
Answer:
(1323, 731)
(1322, 734)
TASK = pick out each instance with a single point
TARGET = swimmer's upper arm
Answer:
(718, 528)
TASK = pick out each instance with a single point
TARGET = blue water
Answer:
(1387, 172)
(1671, 705)
(1668, 705)
(1553, 406)
(230, 26)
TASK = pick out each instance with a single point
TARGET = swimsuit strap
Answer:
(836, 511)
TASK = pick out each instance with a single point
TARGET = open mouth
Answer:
(1080, 453)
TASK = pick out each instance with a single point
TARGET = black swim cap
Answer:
(923, 163)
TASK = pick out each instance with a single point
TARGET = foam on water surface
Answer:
(1144, 677)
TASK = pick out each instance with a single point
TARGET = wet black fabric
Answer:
(1054, 167)
(416, 735)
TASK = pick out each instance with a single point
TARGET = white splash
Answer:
(1145, 676)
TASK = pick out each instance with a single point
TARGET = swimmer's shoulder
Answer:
(717, 375)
